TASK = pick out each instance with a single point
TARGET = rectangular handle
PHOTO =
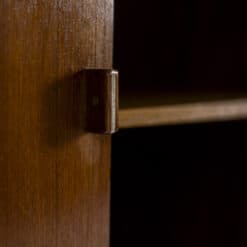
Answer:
(102, 100)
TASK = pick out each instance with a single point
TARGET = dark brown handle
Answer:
(102, 100)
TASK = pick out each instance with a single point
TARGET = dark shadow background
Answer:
(180, 186)
(183, 185)
(181, 44)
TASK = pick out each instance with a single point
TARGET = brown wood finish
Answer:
(166, 109)
(54, 178)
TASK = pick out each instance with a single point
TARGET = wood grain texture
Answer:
(181, 109)
(54, 179)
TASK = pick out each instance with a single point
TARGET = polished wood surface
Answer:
(54, 177)
(143, 110)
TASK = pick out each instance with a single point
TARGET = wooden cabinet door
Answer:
(54, 176)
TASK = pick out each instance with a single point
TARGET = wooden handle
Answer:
(102, 100)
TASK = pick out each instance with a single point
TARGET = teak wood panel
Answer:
(54, 177)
